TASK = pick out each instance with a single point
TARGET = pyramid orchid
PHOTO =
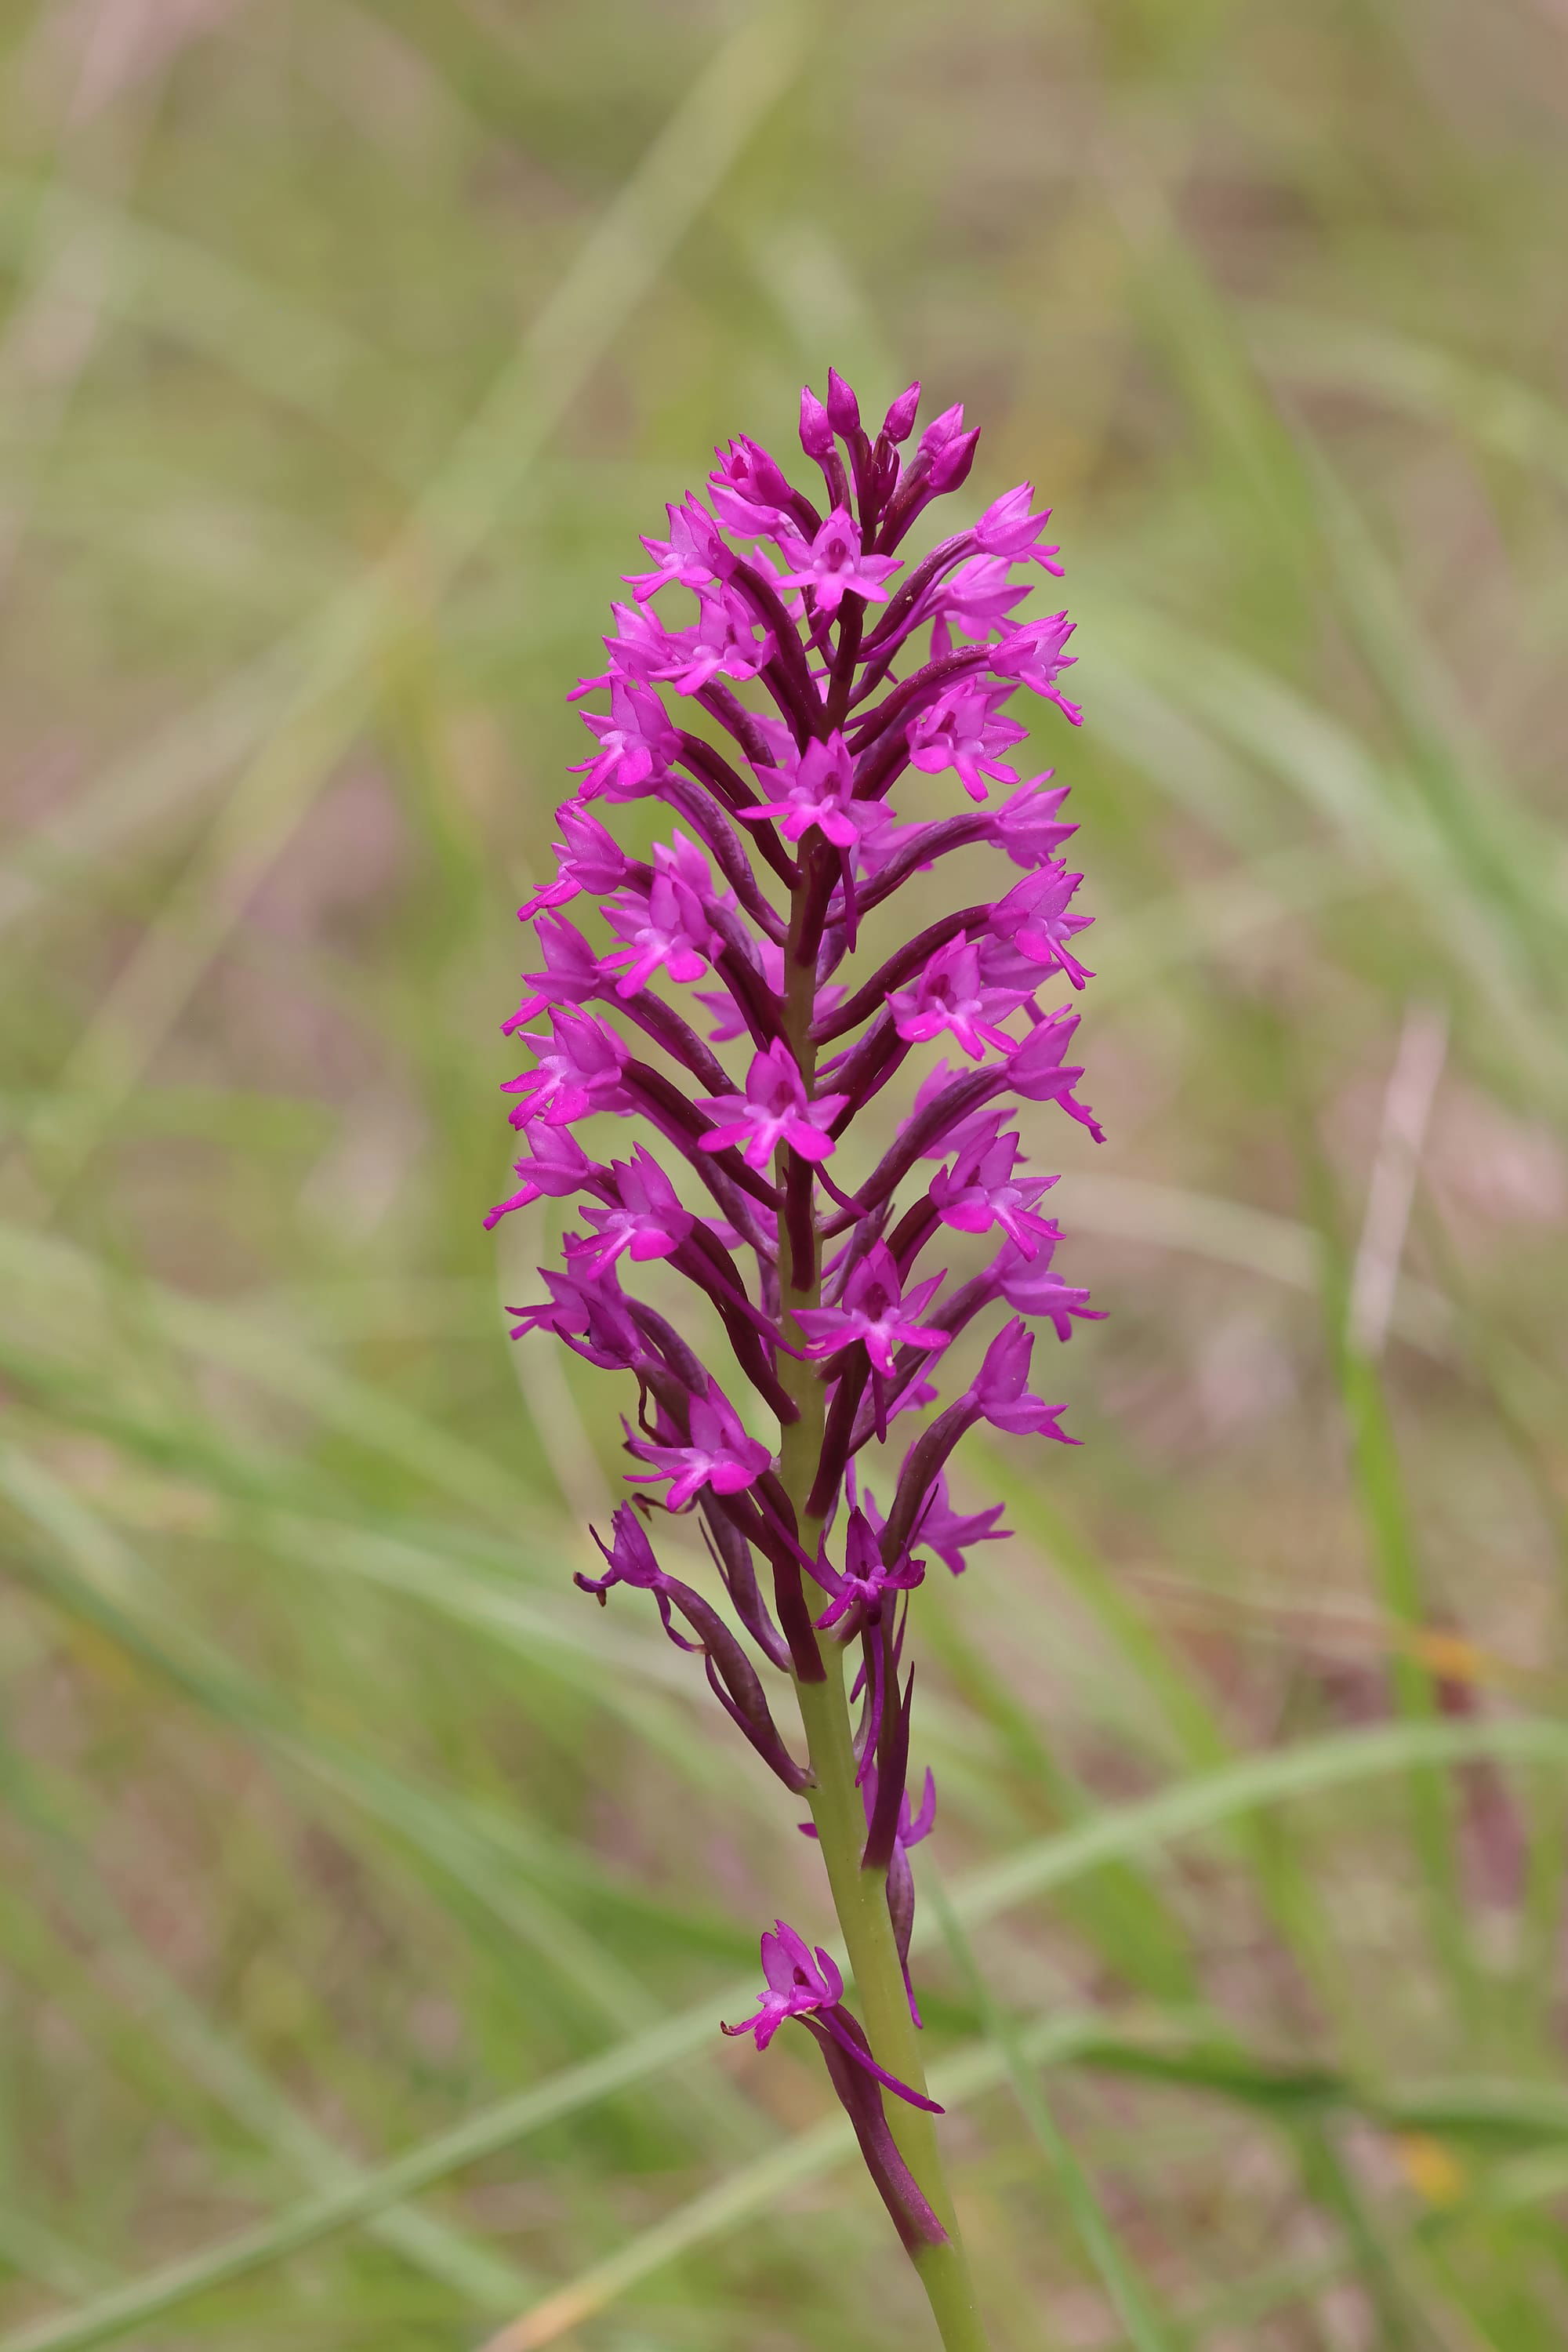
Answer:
(783, 665)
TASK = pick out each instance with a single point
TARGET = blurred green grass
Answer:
(370, 1899)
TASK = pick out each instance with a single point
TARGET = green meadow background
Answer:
(370, 1898)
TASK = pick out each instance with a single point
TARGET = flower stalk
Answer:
(806, 1259)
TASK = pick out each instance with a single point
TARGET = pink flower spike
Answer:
(753, 1003)
(774, 1110)
(874, 1309)
(1001, 1395)
(718, 1452)
(833, 566)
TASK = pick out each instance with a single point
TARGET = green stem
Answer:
(859, 1897)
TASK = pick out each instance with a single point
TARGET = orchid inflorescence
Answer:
(811, 681)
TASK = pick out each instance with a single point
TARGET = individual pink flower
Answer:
(962, 729)
(815, 424)
(977, 597)
(664, 928)
(1034, 656)
(1029, 826)
(590, 1314)
(1038, 1072)
(874, 1309)
(798, 1981)
(579, 1071)
(942, 1530)
(859, 1588)
(750, 494)
(646, 1221)
(691, 557)
(591, 860)
(950, 997)
(640, 647)
(879, 838)
(1009, 530)
(899, 420)
(1000, 1393)
(558, 1168)
(717, 1454)
(946, 451)
(725, 642)
(948, 1533)
(980, 1190)
(1036, 920)
(1031, 1285)
(571, 974)
(833, 567)
(819, 794)
(635, 743)
(803, 1983)
(773, 1110)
